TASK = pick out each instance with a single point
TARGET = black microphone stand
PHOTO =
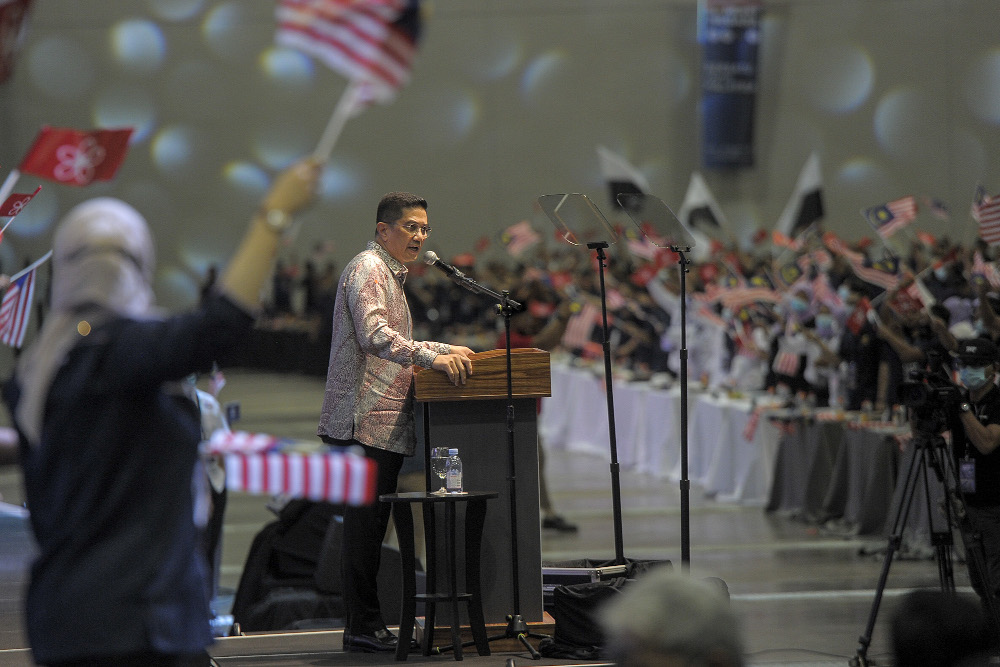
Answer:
(516, 628)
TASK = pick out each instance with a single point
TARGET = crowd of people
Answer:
(824, 321)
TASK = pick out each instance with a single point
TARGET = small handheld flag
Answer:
(15, 309)
(887, 219)
(986, 212)
(15, 203)
(371, 42)
(519, 237)
(76, 157)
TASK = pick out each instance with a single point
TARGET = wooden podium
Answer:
(473, 418)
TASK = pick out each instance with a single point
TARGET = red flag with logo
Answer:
(76, 157)
(15, 203)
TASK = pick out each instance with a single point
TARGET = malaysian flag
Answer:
(790, 273)
(372, 43)
(786, 363)
(580, 327)
(881, 273)
(824, 293)
(986, 212)
(518, 238)
(738, 297)
(838, 247)
(15, 308)
(984, 271)
(938, 208)
(889, 218)
(708, 316)
(782, 241)
(822, 259)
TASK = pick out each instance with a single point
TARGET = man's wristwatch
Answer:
(276, 219)
(965, 407)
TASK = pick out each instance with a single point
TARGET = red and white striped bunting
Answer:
(334, 477)
(265, 464)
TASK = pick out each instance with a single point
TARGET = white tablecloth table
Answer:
(647, 428)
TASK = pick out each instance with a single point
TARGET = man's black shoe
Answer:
(376, 642)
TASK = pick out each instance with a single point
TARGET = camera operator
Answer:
(975, 446)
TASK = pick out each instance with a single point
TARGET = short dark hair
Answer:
(390, 207)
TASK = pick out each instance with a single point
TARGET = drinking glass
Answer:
(439, 466)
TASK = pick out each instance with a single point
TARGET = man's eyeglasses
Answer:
(413, 228)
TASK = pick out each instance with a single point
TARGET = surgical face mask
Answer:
(799, 305)
(843, 292)
(974, 377)
(941, 273)
(824, 324)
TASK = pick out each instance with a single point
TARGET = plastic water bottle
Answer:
(453, 478)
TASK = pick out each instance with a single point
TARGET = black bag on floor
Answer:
(578, 633)
(281, 565)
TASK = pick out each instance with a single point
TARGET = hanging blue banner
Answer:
(730, 31)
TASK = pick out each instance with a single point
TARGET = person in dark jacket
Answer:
(109, 440)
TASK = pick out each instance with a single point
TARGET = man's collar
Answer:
(398, 268)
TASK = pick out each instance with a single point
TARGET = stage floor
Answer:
(803, 595)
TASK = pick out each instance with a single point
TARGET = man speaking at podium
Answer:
(369, 394)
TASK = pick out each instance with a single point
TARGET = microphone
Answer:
(430, 257)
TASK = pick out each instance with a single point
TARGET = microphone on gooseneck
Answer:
(430, 257)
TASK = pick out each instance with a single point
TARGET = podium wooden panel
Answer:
(473, 418)
(529, 372)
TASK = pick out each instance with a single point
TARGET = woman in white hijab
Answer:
(108, 450)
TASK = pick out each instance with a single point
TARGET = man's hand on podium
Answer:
(457, 365)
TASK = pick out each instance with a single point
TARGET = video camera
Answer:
(931, 396)
(928, 390)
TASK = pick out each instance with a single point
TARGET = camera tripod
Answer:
(931, 451)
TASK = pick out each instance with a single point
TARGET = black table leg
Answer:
(403, 516)
(474, 517)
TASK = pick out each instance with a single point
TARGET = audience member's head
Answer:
(666, 619)
(936, 629)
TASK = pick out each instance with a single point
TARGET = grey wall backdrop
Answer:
(509, 100)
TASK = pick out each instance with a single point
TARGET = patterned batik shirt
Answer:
(369, 383)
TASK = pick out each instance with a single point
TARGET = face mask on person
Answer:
(941, 273)
(844, 293)
(824, 324)
(975, 377)
(798, 305)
